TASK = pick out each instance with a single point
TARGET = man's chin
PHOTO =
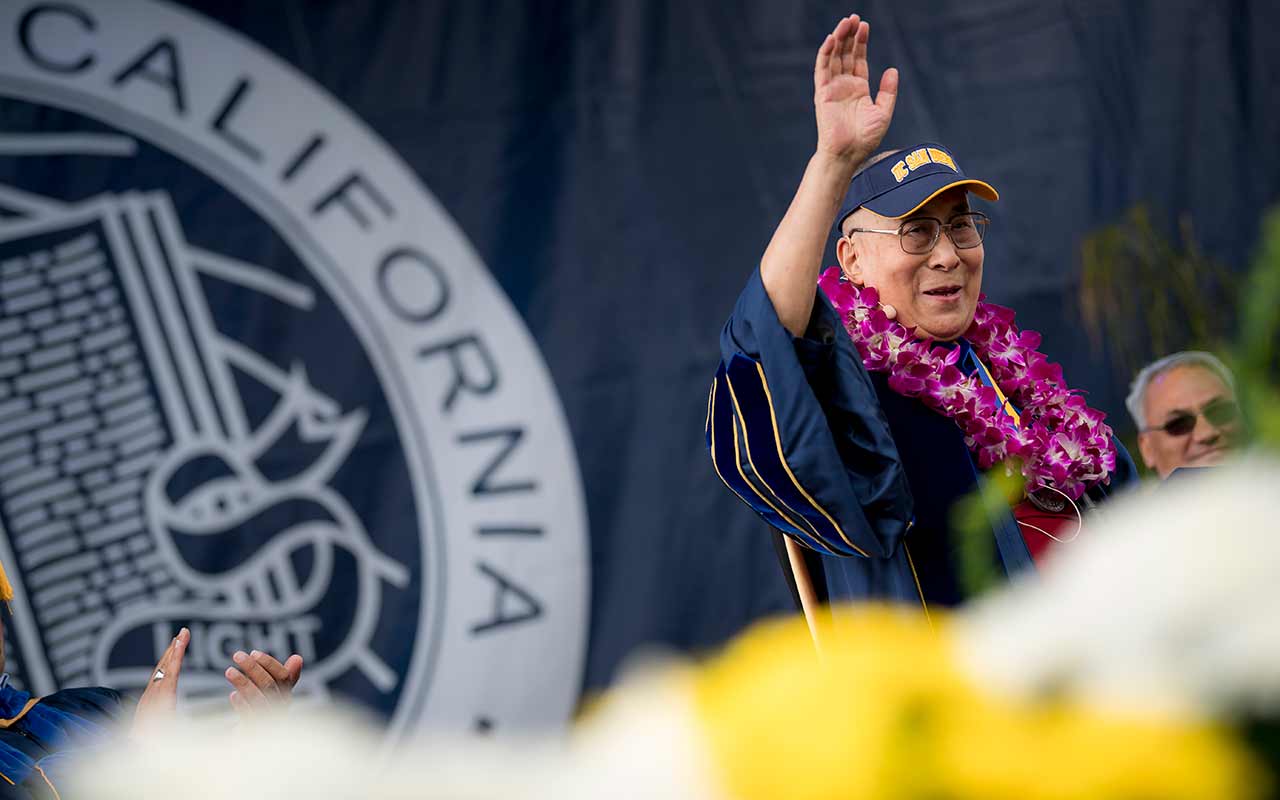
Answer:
(943, 331)
(945, 327)
(1210, 458)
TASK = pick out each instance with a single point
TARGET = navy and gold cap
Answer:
(898, 185)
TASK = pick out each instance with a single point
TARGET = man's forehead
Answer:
(945, 204)
(1185, 382)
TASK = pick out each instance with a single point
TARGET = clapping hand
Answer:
(261, 682)
(850, 124)
(160, 698)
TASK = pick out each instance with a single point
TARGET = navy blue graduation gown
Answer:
(826, 453)
(41, 737)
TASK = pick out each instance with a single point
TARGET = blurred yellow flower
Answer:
(885, 712)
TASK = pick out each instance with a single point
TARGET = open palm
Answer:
(850, 123)
(157, 704)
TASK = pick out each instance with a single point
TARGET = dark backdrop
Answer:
(620, 166)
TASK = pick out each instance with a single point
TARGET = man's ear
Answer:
(1147, 448)
(847, 255)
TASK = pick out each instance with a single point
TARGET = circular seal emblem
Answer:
(255, 381)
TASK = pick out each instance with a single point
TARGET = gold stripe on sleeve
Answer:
(52, 788)
(4, 723)
(916, 578)
(778, 441)
(746, 440)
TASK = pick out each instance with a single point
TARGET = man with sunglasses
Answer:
(1185, 408)
(865, 478)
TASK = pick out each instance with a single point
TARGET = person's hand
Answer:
(160, 698)
(850, 124)
(261, 682)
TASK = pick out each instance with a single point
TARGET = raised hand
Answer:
(158, 701)
(850, 127)
(850, 123)
(261, 682)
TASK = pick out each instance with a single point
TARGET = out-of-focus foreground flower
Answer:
(1119, 674)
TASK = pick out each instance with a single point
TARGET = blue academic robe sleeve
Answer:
(40, 740)
(795, 430)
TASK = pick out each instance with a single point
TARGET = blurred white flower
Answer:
(641, 743)
(1166, 605)
(1170, 603)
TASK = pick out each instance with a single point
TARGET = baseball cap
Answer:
(898, 185)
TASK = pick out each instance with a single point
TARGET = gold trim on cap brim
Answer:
(981, 188)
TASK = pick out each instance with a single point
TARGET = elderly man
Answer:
(854, 428)
(1185, 408)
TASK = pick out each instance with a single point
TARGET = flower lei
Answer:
(1061, 443)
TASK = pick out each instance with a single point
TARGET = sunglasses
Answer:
(1217, 413)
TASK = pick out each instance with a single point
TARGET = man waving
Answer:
(852, 419)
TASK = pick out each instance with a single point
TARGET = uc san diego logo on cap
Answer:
(254, 380)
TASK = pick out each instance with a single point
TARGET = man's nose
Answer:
(945, 255)
(1205, 431)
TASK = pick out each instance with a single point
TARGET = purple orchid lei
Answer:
(1061, 442)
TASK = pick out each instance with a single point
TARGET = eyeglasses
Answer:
(920, 235)
(1217, 413)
